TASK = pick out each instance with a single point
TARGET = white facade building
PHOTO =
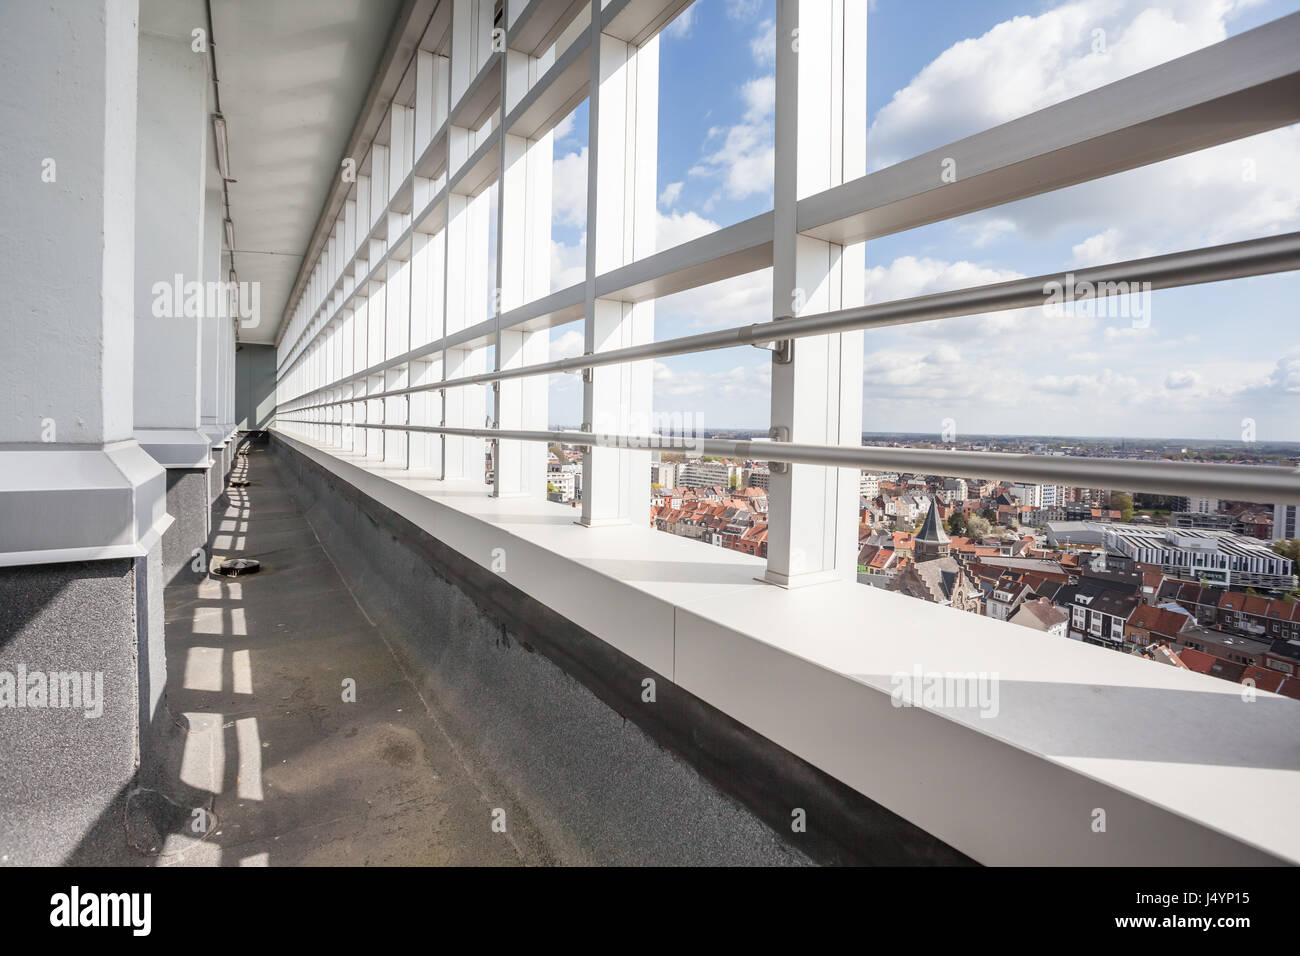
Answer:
(1028, 494)
(698, 473)
(1219, 558)
(664, 473)
(953, 489)
(1286, 522)
(564, 483)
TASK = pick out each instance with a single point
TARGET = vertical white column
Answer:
(622, 156)
(817, 397)
(523, 274)
(226, 371)
(67, 228)
(467, 236)
(171, 178)
(398, 337)
(428, 301)
(466, 291)
(428, 265)
(214, 325)
(347, 348)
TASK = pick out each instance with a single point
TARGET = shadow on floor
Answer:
(289, 733)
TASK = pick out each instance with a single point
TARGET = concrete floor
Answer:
(259, 760)
(274, 767)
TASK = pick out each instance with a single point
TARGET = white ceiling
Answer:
(293, 75)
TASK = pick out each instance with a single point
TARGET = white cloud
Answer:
(759, 95)
(763, 46)
(734, 301)
(569, 189)
(1107, 382)
(741, 156)
(563, 128)
(671, 193)
(1230, 192)
(1125, 334)
(746, 389)
(1285, 376)
(909, 276)
(743, 9)
(1105, 247)
(681, 26)
(1183, 379)
(677, 227)
(744, 161)
(987, 230)
(568, 345)
(568, 263)
(1030, 62)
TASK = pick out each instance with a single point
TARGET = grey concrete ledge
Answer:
(218, 435)
(61, 504)
(176, 447)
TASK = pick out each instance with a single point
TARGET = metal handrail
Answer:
(1267, 483)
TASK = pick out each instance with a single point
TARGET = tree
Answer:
(957, 524)
(978, 527)
(1288, 548)
(1123, 503)
(734, 481)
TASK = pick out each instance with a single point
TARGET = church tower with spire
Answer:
(931, 541)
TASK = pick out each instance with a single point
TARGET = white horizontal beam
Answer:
(635, 21)
(731, 251)
(556, 94)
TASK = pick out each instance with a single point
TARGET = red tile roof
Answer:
(1157, 620)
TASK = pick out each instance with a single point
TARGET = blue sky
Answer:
(1204, 358)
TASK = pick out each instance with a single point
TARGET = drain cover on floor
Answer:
(237, 566)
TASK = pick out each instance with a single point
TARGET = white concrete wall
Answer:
(67, 115)
(171, 171)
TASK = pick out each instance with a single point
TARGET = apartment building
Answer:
(1028, 494)
(1212, 557)
(1101, 605)
(1286, 522)
(698, 473)
(664, 473)
(952, 490)
(561, 485)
